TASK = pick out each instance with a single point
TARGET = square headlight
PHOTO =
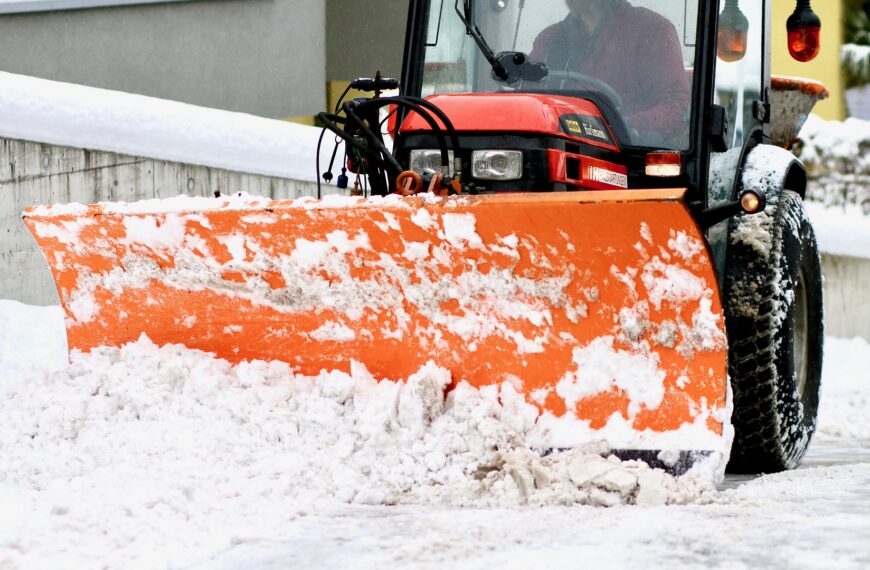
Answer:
(421, 159)
(497, 164)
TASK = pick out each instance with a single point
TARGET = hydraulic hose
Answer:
(424, 113)
(331, 122)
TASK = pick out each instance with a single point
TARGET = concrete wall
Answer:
(364, 37)
(264, 57)
(33, 173)
(847, 304)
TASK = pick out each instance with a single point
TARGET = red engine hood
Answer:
(555, 115)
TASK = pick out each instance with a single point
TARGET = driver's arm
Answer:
(541, 47)
(662, 82)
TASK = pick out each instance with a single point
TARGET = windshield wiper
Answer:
(507, 66)
(498, 69)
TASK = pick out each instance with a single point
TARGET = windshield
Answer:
(634, 58)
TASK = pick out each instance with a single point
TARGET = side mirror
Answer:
(519, 67)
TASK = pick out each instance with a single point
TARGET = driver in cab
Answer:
(634, 50)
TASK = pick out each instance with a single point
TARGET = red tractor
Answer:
(610, 236)
(610, 95)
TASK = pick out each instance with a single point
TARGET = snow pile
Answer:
(846, 390)
(142, 446)
(86, 117)
(134, 444)
(338, 435)
(841, 230)
(32, 339)
(837, 157)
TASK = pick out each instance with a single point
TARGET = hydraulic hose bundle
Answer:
(367, 154)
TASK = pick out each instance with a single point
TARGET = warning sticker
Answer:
(598, 174)
(587, 127)
(603, 175)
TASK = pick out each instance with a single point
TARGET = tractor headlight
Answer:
(497, 164)
(423, 159)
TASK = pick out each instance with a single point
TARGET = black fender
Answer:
(769, 169)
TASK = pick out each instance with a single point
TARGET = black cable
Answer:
(426, 116)
(342, 181)
(340, 99)
(331, 120)
(382, 158)
(317, 160)
(381, 128)
(448, 124)
(334, 150)
(349, 113)
(332, 159)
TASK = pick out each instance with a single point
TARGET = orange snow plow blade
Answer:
(598, 307)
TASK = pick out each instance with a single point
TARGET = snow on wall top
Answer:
(71, 115)
(834, 138)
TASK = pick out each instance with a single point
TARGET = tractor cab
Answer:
(591, 94)
(558, 95)
(633, 62)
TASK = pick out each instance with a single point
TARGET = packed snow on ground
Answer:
(156, 457)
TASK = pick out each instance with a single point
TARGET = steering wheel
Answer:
(592, 83)
(556, 78)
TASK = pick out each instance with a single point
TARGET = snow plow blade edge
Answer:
(600, 308)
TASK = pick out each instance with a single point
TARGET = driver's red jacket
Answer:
(637, 52)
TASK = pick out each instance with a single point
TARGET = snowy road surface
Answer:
(815, 517)
(812, 518)
(81, 499)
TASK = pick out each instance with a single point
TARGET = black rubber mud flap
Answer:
(775, 333)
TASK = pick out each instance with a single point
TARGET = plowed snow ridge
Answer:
(158, 410)
(128, 449)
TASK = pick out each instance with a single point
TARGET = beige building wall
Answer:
(826, 67)
(264, 57)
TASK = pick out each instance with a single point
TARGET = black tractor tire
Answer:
(773, 316)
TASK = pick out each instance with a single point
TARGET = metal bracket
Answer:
(761, 109)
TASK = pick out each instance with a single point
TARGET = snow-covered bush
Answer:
(837, 157)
